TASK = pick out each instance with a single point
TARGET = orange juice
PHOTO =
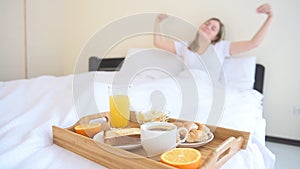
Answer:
(119, 110)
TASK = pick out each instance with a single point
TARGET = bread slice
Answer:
(122, 136)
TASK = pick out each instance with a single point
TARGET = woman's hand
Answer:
(161, 17)
(265, 9)
(158, 41)
(255, 41)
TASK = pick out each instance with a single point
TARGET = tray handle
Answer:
(223, 153)
(88, 118)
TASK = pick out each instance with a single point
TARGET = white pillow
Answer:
(239, 72)
(152, 62)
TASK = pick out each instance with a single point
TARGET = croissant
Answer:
(197, 131)
(203, 128)
(188, 125)
(196, 136)
(199, 134)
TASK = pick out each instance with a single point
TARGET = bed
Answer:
(29, 109)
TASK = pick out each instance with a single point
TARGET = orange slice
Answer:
(184, 158)
(88, 129)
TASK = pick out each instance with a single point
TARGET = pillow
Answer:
(152, 62)
(239, 72)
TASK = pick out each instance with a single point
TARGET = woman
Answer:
(211, 33)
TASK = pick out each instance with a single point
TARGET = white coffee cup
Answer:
(159, 137)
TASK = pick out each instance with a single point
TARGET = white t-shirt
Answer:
(195, 61)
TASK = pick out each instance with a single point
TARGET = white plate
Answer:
(99, 137)
(197, 144)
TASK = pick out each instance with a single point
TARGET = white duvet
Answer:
(29, 108)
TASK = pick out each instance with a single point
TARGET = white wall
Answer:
(279, 51)
(58, 31)
(44, 22)
(281, 56)
(45, 38)
(12, 64)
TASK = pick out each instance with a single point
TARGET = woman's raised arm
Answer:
(243, 46)
(158, 40)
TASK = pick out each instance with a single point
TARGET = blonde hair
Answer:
(194, 45)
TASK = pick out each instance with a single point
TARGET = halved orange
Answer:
(184, 158)
(88, 129)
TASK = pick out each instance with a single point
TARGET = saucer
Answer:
(197, 144)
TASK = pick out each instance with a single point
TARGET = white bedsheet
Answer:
(29, 108)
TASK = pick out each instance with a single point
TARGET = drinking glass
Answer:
(119, 104)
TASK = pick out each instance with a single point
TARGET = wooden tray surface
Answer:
(225, 144)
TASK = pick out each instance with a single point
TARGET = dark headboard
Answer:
(259, 78)
(106, 64)
(112, 64)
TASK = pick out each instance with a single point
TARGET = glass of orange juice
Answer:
(119, 105)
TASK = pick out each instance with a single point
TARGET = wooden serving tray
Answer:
(225, 144)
